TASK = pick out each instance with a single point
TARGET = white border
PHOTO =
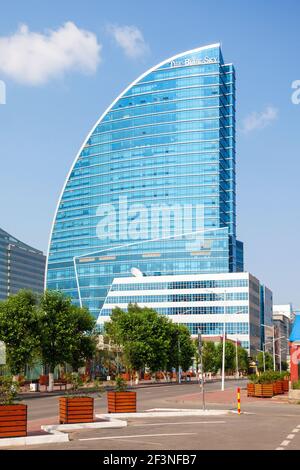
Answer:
(97, 123)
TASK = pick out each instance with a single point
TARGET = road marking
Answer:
(288, 439)
(137, 435)
(285, 443)
(180, 422)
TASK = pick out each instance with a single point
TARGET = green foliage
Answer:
(253, 378)
(19, 330)
(149, 339)
(8, 390)
(268, 361)
(75, 380)
(120, 384)
(229, 355)
(296, 385)
(243, 359)
(66, 331)
(209, 357)
(269, 376)
(98, 387)
(181, 349)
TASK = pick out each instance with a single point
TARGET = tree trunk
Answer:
(51, 382)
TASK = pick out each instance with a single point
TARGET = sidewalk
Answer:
(107, 386)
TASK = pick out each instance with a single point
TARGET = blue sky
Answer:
(54, 99)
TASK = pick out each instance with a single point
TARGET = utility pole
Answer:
(202, 372)
(179, 354)
(236, 358)
(224, 342)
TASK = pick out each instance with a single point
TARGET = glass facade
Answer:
(153, 186)
(21, 266)
(198, 301)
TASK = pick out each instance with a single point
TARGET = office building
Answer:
(282, 319)
(203, 302)
(153, 185)
(21, 266)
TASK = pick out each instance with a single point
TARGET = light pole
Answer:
(236, 358)
(274, 354)
(224, 292)
(273, 342)
(202, 372)
(224, 342)
(264, 360)
(179, 353)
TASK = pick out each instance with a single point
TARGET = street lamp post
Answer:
(201, 363)
(236, 358)
(224, 342)
(264, 360)
(273, 343)
(274, 353)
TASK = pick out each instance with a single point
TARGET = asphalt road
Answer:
(158, 396)
(264, 425)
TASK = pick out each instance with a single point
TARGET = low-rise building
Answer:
(282, 319)
(203, 302)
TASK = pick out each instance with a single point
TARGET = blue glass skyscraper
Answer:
(153, 186)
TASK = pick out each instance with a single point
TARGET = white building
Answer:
(200, 301)
(285, 310)
(283, 318)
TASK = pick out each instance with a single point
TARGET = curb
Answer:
(166, 412)
(108, 423)
(34, 440)
(57, 434)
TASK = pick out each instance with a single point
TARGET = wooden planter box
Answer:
(13, 420)
(278, 387)
(250, 390)
(76, 410)
(285, 384)
(121, 402)
(263, 390)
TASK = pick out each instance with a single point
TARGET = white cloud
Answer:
(34, 58)
(130, 39)
(259, 120)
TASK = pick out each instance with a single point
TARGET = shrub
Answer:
(269, 376)
(8, 390)
(75, 380)
(253, 378)
(296, 385)
(120, 384)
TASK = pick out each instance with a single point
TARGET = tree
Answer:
(19, 330)
(268, 361)
(181, 349)
(143, 335)
(66, 332)
(149, 339)
(209, 357)
(243, 359)
(229, 355)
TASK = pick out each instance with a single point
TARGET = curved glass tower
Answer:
(153, 186)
